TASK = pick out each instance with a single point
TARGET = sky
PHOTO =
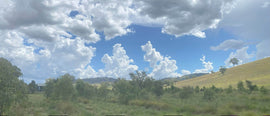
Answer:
(112, 38)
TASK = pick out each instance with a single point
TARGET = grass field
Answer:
(258, 72)
(223, 104)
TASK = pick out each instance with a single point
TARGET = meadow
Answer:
(186, 101)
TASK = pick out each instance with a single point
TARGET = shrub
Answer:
(240, 86)
(251, 87)
(229, 89)
(150, 104)
(186, 92)
(197, 89)
(263, 90)
(208, 94)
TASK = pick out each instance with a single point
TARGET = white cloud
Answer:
(151, 55)
(207, 66)
(162, 66)
(43, 60)
(241, 55)
(109, 16)
(185, 17)
(185, 72)
(265, 4)
(263, 49)
(249, 22)
(229, 44)
(117, 65)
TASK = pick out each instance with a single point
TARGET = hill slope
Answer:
(258, 72)
(99, 80)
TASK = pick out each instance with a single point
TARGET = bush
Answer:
(186, 92)
(150, 104)
(240, 86)
(229, 89)
(60, 88)
(251, 87)
(208, 94)
(263, 90)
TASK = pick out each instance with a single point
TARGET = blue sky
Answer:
(186, 50)
(92, 38)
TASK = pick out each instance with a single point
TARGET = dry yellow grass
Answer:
(258, 72)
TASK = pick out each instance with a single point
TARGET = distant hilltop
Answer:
(99, 80)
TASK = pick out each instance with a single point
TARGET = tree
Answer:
(61, 88)
(32, 86)
(222, 70)
(84, 89)
(234, 61)
(123, 90)
(240, 86)
(64, 89)
(12, 90)
(49, 88)
(250, 86)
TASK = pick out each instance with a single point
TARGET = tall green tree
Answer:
(84, 89)
(32, 87)
(64, 87)
(12, 89)
(61, 88)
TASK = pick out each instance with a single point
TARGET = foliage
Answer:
(140, 87)
(251, 87)
(103, 90)
(84, 89)
(32, 87)
(12, 90)
(263, 90)
(209, 101)
(61, 88)
(209, 94)
(222, 70)
(186, 92)
(234, 61)
(240, 86)
(123, 90)
(229, 89)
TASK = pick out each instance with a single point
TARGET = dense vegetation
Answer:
(142, 95)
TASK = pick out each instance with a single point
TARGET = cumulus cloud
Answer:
(151, 55)
(42, 60)
(186, 17)
(162, 66)
(207, 66)
(185, 72)
(117, 65)
(109, 16)
(229, 44)
(241, 55)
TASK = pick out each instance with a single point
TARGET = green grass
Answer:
(258, 72)
(244, 104)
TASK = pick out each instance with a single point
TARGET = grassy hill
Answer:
(99, 80)
(258, 72)
(185, 77)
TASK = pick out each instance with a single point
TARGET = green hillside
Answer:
(258, 72)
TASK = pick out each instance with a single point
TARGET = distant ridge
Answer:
(258, 72)
(99, 80)
(185, 77)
